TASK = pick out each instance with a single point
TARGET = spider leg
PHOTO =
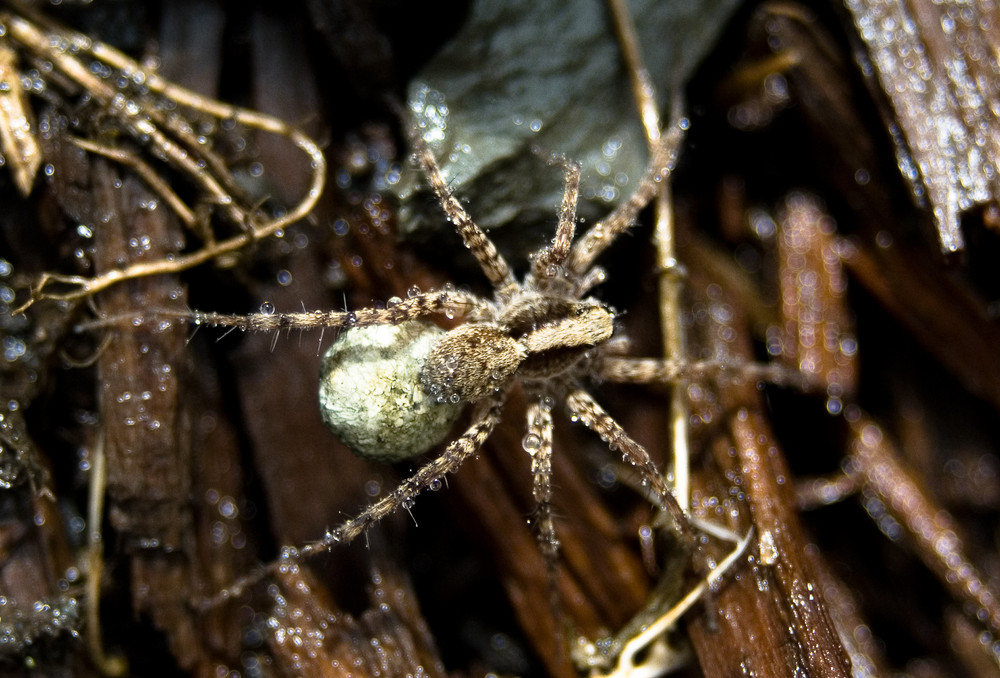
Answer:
(538, 443)
(594, 417)
(448, 302)
(604, 232)
(494, 266)
(624, 370)
(594, 276)
(441, 301)
(548, 261)
(484, 418)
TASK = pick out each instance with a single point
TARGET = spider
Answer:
(545, 332)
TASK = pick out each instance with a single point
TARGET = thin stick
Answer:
(654, 371)
(109, 665)
(670, 272)
(626, 665)
(20, 148)
(146, 173)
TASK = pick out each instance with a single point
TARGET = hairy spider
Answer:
(547, 336)
(544, 332)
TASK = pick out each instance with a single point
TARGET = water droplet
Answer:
(531, 443)
(834, 405)
(413, 291)
(768, 548)
(393, 301)
(267, 308)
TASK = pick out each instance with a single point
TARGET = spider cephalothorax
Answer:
(535, 337)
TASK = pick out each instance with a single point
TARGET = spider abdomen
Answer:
(370, 396)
